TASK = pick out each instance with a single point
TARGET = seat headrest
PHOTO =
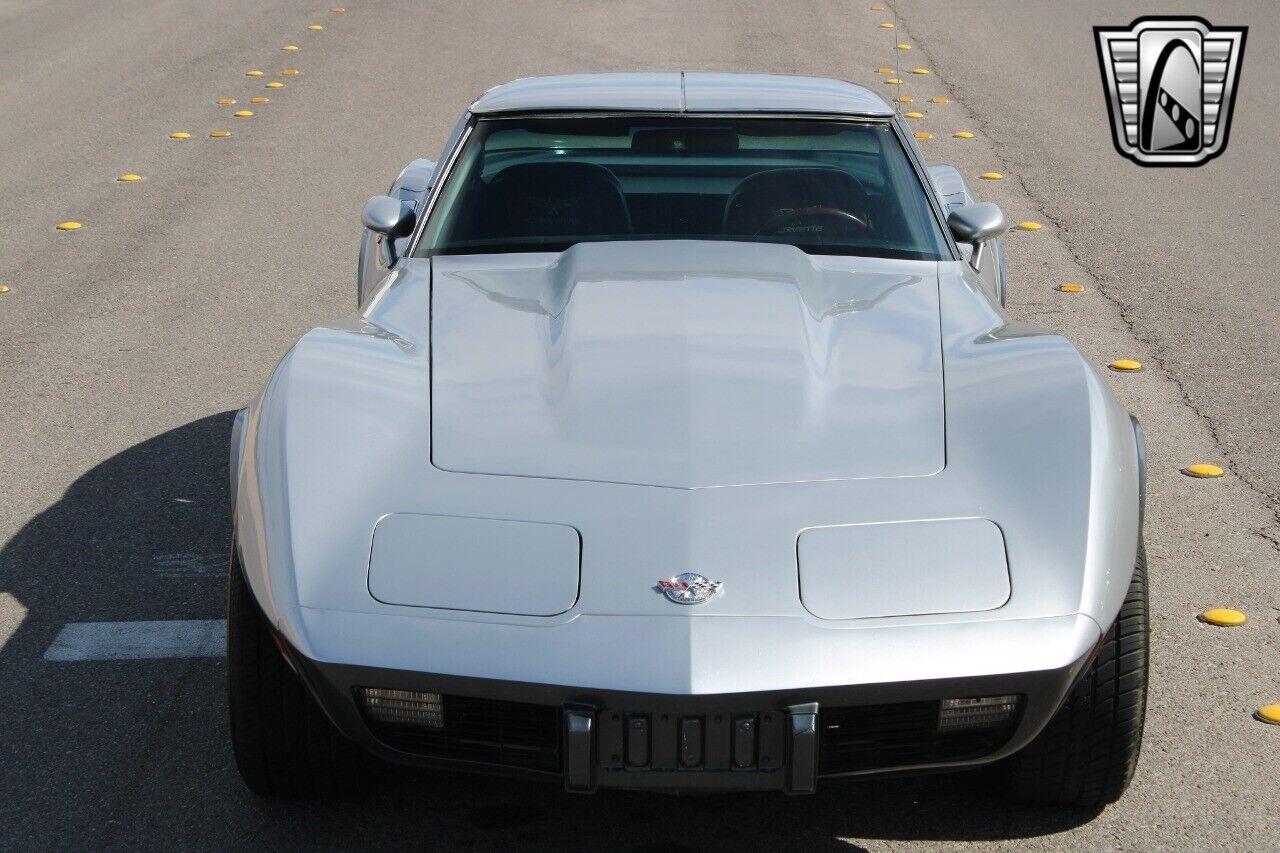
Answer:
(554, 200)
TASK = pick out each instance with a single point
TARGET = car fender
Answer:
(1025, 404)
(327, 411)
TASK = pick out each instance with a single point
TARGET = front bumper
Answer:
(782, 740)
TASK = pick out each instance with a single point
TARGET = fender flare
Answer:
(237, 448)
(1140, 439)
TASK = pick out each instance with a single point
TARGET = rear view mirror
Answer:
(388, 216)
(976, 224)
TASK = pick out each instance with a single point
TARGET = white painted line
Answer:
(181, 638)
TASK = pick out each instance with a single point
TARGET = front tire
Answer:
(1086, 755)
(284, 744)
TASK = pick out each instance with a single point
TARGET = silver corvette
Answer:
(680, 441)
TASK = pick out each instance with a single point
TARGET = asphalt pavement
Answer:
(126, 345)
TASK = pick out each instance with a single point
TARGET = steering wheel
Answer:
(818, 211)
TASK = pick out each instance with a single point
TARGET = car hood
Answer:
(686, 364)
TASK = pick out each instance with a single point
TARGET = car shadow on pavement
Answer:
(136, 753)
(483, 813)
(142, 535)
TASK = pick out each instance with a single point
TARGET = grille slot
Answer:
(872, 737)
(493, 731)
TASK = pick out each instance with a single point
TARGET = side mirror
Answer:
(976, 223)
(388, 216)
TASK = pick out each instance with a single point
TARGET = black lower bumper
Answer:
(782, 740)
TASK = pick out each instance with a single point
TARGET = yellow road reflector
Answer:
(259, 99)
(904, 99)
(1268, 714)
(226, 102)
(939, 101)
(962, 134)
(338, 9)
(992, 176)
(1223, 616)
(69, 226)
(315, 28)
(291, 47)
(290, 72)
(4, 288)
(219, 134)
(1071, 287)
(242, 113)
(893, 81)
(275, 84)
(257, 72)
(1203, 471)
(886, 26)
(1029, 226)
(924, 135)
(1125, 365)
(914, 115)
(129, 178)
(920, 71)
(904, 46)
(181, 134)
(877, 8)
(885, 70)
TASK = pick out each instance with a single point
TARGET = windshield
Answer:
(544, 184)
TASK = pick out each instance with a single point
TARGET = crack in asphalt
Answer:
(1154, 345)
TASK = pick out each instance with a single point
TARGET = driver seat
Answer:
(759, 198)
